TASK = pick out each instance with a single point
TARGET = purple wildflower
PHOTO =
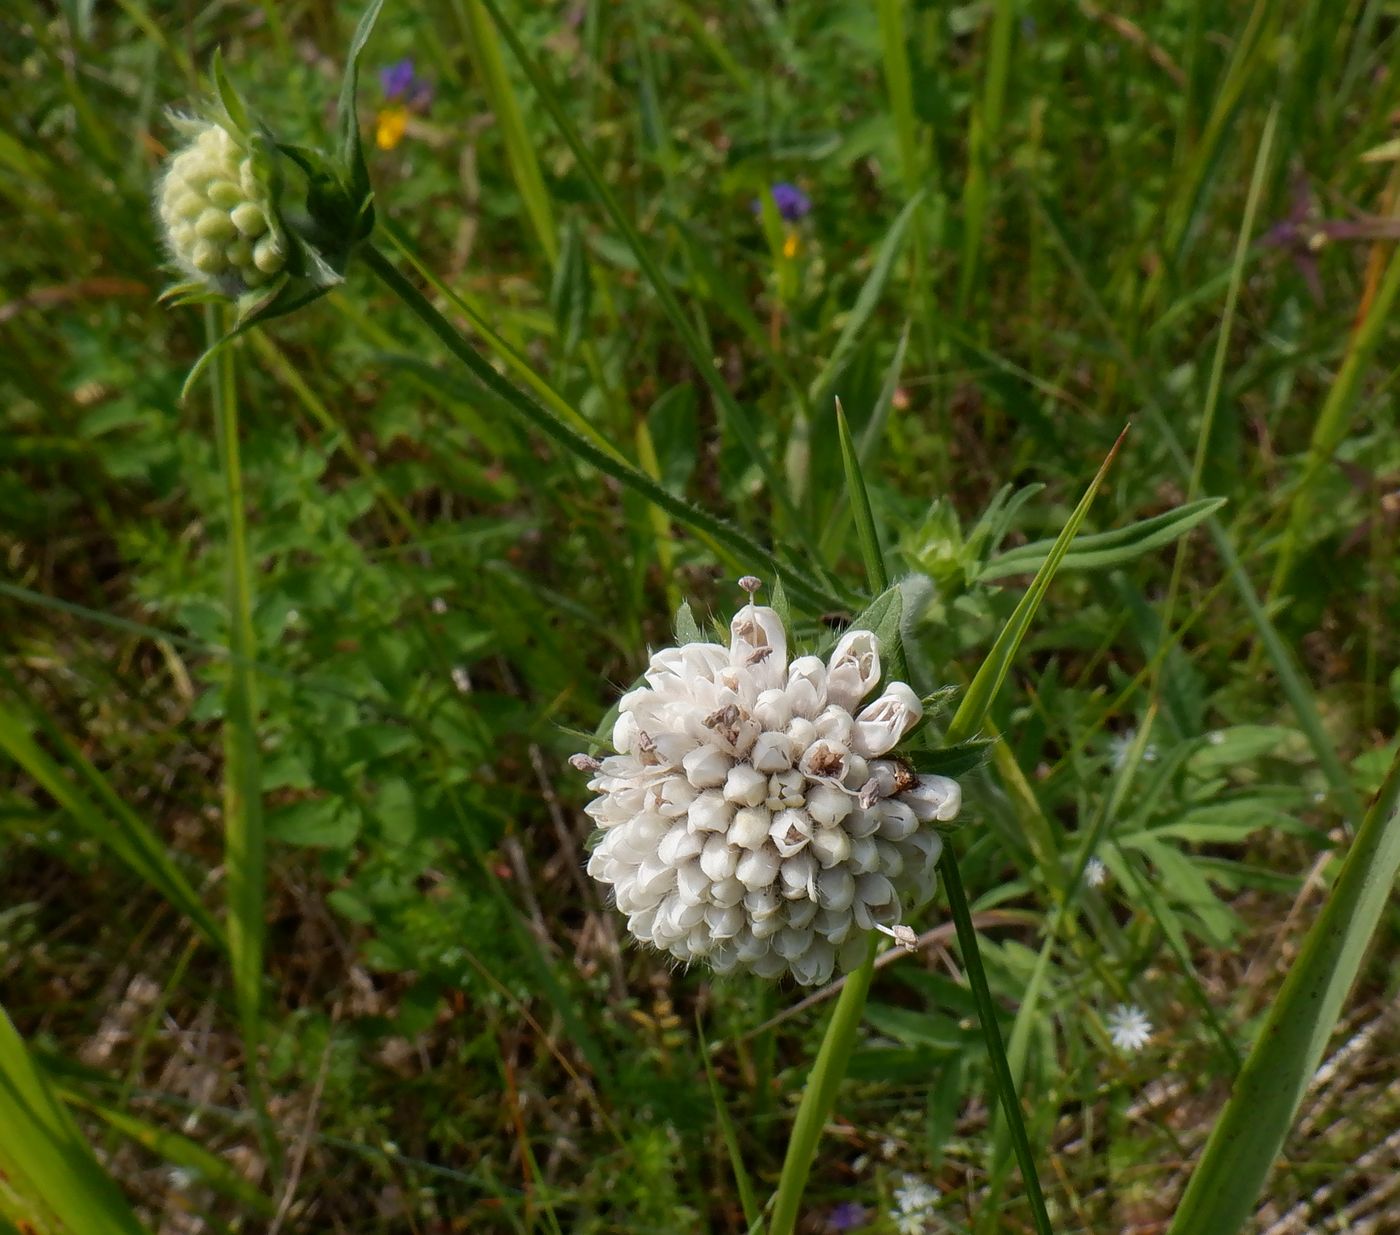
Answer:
(792, 203)
(400, 82)
(1301, 234)
(396, 79)
(847, 1216)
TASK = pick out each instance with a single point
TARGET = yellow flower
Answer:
(790, 245)
(390, 126)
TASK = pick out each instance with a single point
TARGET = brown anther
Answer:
(727, 717)
(827, 763)
(759, 655)
(869, 793)
(750, 584)
(584, 763)
(905, 778)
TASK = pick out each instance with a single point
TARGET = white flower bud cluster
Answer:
(749, 819)
(218, 217)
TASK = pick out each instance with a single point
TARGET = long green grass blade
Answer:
(1264, 1101)
(735, 418)
(1332, 421)
(485, 50)
(982, 692)
(44, 1158)
(987, 1014)
(108, 819)
(860, 507)
(747, 551)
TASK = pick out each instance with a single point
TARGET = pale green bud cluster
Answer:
(219, 221)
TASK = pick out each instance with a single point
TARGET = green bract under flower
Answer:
(217, 211)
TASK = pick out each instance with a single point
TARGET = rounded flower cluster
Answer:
(751, 817)
(218, 217)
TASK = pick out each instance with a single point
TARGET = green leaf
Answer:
(867, 300)
(953, 761)
(1105, 549)
(108, 820)
(685, 627)
(571, 293)
(229, 98)
(43, 1156)
(351, 152)
(860, 507)
(977, 702)
(326, 823)
(1264, 1101)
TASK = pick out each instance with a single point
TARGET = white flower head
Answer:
(1095, 873)
(1128, 1028)
(748, 819)
(915, 1202)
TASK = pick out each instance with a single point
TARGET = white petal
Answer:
(829, 806)
(758, 643)
(745, 785)
(934, 797)
(790, 831)
(750, 827)
(831, 846)
(710, 812)
(719, 858)
(853, 669)
(706, 767)
(880, 726)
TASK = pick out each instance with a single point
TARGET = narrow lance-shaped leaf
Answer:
(1104, 549)
(1269, 1089)
(43, 1156)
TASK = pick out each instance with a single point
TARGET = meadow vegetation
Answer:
(295, 929)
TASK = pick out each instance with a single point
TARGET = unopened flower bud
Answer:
(217, 211)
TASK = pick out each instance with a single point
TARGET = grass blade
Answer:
(748, 552)
(109, 819)
(996, 1053)
(44, 1158)
(1250, 1131)
(734, 416)
(860, 507)
(747, 1199)
(980, 695)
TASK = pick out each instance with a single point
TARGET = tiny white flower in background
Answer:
(217, 212)
(461, 679)
(1128, 1028)
(752, 816)
(1215, 737)
(915, 1204)
(1095, 872)
(1121, 744)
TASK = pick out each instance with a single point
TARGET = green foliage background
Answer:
(1031, 223)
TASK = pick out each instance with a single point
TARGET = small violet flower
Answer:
(847, 1216)
(792, 203)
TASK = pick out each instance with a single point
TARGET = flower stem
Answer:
(745, 550)
(244, 856)
(996, 1052)
(820, 1093)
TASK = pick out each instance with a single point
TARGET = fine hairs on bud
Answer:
(217, 213)
(753, 815)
